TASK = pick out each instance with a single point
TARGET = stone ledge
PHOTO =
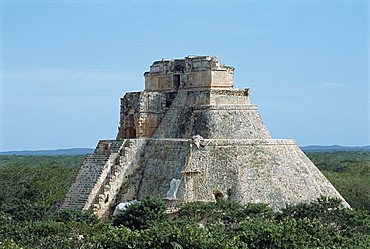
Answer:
(224, 141)
(226, 107)
(248, 142)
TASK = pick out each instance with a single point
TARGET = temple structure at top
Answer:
(193, 72)
(204, 80)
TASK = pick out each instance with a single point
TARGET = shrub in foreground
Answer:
(141, 214)
(323, 223)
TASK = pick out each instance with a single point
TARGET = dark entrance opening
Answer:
(176, 81)
(130, 130)
(218, 195)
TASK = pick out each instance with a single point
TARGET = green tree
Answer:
(142, 214)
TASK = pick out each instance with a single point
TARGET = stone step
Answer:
(125, 157)
(91, 170)
(102, 157)
(89, 173)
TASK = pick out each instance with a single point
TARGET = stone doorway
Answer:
(130, 130)
(176, 81)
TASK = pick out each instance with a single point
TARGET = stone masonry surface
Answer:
(190, 126)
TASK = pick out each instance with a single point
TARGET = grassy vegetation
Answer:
(42, 180)
(349, 172)
(32, 187)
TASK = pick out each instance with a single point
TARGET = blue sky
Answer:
(65, 64)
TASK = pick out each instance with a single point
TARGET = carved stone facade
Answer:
(193, 72)
(190, 136)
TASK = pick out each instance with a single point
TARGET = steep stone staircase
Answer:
(109, 188)
(89, 176)
(168, 128)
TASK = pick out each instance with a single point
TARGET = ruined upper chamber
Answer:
(187, 97)
(193, 72)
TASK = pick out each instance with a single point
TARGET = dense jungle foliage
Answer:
(349, 172)
(32, 187)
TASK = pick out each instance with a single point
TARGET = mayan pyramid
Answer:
(191, 136)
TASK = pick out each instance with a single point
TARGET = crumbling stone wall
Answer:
(141, 113)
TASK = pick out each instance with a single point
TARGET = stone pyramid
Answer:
(190, 136)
